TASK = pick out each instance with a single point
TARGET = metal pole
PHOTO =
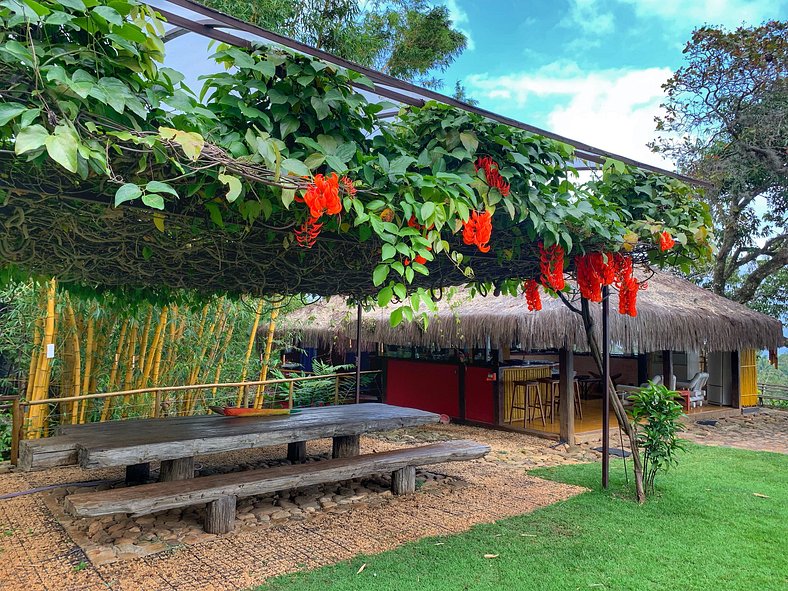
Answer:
(358, 353)
(605, 385)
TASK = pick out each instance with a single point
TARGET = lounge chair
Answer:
(696, 387)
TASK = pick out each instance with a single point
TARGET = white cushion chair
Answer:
(696, 387)
(623, 390)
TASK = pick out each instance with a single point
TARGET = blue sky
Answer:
(588, 69)
(591, 70)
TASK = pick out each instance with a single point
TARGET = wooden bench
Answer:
(221, 490)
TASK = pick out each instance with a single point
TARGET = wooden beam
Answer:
(735, 380)
(566, 396)
(667, 367)
(346, 446)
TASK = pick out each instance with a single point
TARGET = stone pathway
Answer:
(764, 430)
(42, 548)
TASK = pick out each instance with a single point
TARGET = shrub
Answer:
(655, 415)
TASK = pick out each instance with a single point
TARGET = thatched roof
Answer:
(672, 314)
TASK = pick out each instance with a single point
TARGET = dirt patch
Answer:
(763, 430)
(42, 548)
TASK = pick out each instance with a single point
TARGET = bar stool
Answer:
(533, 396)
(514, 402)
(555, 394)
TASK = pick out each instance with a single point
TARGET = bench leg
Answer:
(345, 446)
(137, 473)
(220, 515)
(403, 481)
(296, 451)
(180, 469)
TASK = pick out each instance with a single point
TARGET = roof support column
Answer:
(667, 369)
(566, 387)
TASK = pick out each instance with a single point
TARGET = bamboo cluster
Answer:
(82, 348)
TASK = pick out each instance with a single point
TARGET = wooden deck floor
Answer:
(591, 423)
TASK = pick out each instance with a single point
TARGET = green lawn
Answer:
(704, 530)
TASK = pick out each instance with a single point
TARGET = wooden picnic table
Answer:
(175, 441)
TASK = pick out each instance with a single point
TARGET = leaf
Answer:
(385, 295)
(191, 143)
(395, 319)
(379, 274)
(287, 197)
(215, 213)
(427, 210)
(127, 192)
(30, 138)
(233, 184)
(158, 221)
(160, 187)
(388, 252)
(153, 200)
(491, 555)
(62, 147)
(360, 570)
(109, 14)
(469, 141)
(760, 496)
(297, 167)
(9, 111)
(346, 151)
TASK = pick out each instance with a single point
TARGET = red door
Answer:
(433, 387)
(479, 395)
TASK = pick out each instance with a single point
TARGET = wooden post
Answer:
(290, 395)
(220, 515)
(566, 395)
(157, 404)
(605, 385)
(403, 481)
(358, 352)
(735, 380)
(17, 420)
(138, 473)
(336, 391)
(667, 368)
(179, 469)
(296, 451)
(345, 446)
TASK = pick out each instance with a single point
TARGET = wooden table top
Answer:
(130, 442)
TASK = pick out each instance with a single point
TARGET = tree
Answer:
(727, 122)
(405, 38)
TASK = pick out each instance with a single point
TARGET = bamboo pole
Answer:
(191, 399)
(258, 400)
(147, 366)
(131, 351)
(76, 360)
(89, 343)
(144, 344)
(227, 337)
(156, 368)
(41, 388)
(169, 360)
(99, 344)
(240, 398)
(31, 373)
(115, 365)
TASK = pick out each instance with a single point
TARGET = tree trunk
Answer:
(618, 406)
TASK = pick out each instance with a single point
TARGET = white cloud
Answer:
(610, 109)
(589, 17)
(688, 14)
(460, 19)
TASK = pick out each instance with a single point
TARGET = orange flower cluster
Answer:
(348, 185)
(532, 297)
(666, 241)
(494, 178)
(597, 269)
(592, 273)
(478, 229)
(419, 259)
(321, 197)
(551, 264)
(306, 235)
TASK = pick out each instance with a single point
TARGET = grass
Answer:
(705, 529)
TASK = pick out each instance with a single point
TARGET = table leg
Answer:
(180, 469)
(345, 446)
(296, 451)
(220, 515)
(403, 481)
(137, 473)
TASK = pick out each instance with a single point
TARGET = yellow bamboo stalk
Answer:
(41, 386)
(144, 338)
(113, 376)
(131, 358)
(227, 338)
(89, 344)
(155, 378)
(66, 376)
(99, 344)
(31, 373)
(195, 374)
(77, 361)
(258, 399)
(249, 348)
(170, 359)
(147, 364)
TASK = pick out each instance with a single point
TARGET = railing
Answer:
(185, 400)
(774, 392)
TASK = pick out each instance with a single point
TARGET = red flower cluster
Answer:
(592, 274)
(666, 241)
(628, 296)
(477, 230)
(597, 269)
(494, 178)
(307, 234)
(419, 259)
(551, 264)
(532, 296)
(321, 197)
(348, 185)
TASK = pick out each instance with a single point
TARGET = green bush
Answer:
(655, 415)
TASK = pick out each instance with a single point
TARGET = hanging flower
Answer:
(627, 296)
(494, 178)
(414, 223)
(306, 235)
(322, 196)
(551, 264)
(478, 229)
(532, 297)
(419, 259)
(348, 185)
(666, 241)
(590, 275)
